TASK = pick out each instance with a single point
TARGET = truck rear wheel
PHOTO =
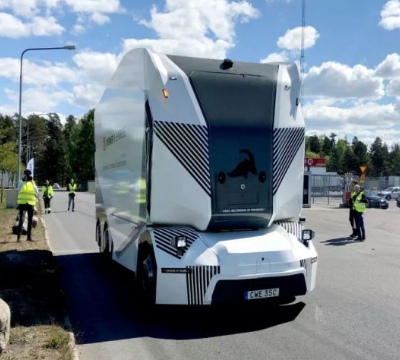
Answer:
(107, 248)
(98, 234)
(146, 278)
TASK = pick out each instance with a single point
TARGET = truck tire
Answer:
(146, 276)
(98, 235)
(107, 248)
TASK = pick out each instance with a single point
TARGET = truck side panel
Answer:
(120, 158)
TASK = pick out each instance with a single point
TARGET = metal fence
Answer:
(327, 189)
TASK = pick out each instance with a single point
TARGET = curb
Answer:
(72, 341)
(67, 322)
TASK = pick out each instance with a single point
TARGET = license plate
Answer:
(261, 294)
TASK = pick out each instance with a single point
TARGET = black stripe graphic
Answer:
(189, 144)
(292, 227)
(163, 238)
(286, 144)
(197, 280)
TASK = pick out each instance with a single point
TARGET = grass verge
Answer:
(31, 285)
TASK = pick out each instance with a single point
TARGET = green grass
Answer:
(30, 283)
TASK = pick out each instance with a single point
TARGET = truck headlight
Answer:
(307, 235)
(180, 242)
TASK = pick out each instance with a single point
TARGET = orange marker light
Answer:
(165, 93)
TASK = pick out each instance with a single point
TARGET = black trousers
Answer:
(29, 210)
(352, 219)
(46, 203)
(71, 199)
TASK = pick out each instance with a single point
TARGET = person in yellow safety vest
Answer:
(359, 204)
(47, 192)
(71, 187)
(26, 200)
(141, 196)
(352, 214)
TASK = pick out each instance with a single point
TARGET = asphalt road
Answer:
(354, 313)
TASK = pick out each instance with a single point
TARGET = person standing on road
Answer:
(352, 216)
(27, 195)
(71, 187)
(47, 192)
(360, 204)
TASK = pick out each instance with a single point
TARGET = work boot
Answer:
(19, 238)
(29, 239)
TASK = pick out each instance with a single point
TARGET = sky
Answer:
(352, 52)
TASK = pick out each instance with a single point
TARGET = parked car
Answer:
(376, 201)
(56, 186)
(389, 193)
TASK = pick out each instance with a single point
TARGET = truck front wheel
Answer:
(146, 279)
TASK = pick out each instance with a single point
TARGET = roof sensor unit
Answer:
(226, 64)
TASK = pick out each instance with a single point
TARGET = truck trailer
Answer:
(199, 179)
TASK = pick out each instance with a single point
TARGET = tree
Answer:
(360, 151)
(327, 146)
(336, 160)
(350, 163)
(315, 145)
(8, 159)
(37, 135)
(51, 165)
(394, 160)
(81, 148)
(379, 155)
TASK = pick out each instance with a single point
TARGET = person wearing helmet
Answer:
(27, 195)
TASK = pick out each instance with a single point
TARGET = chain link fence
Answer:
(329, 189)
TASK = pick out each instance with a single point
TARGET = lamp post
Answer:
(68, 47)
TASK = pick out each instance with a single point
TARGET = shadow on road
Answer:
(338, 241)
(102, 307)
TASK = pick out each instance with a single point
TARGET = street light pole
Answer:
(68, 47)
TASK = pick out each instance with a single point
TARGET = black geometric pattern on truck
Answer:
(189, 144)
(286, 144)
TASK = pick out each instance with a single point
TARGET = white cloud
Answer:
(292, 38)
(99, 18)
(390, 15)
(204, 28)
(389, 67)
(90, 6)
(189, 47)
(337, 80)
(87, 95)
(393, 88)
(367, 134)
(97, 66)
(362, 113)
(25, 8)
(276, 57)
(78, 29)
(39, 98)
(38, 74)
(11, 26)
(277, 1)
(41, 26)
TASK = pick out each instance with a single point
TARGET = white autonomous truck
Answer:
(199, 179)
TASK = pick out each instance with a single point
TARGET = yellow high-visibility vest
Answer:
(49, 190)
(359, 206)
(71, 188)
(27, 194)
(141, 196)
